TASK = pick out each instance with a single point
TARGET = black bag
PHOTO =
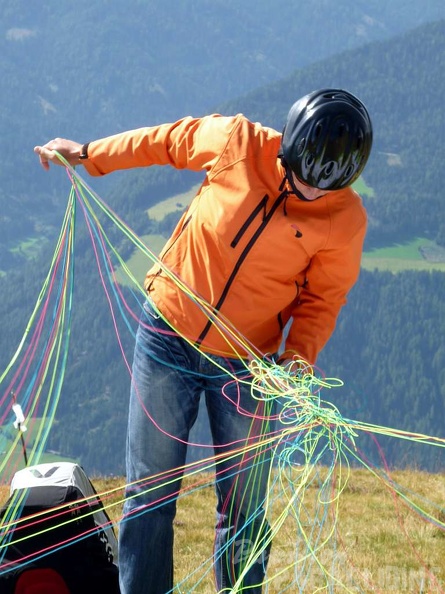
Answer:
(47, 546)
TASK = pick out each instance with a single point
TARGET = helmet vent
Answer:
(300, 147)
(329, 168)
(349, 171)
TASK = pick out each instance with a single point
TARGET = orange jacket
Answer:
(257, 255)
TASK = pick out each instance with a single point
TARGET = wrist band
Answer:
(84, 151)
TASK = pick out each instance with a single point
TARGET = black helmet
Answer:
(327, 139)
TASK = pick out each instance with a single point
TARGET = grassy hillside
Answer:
(378, 542)
(418, 254)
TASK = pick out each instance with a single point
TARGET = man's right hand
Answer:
(69, 149)
(296, 366)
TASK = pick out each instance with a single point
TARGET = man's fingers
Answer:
(68, 149)
(47, 155)
(40, 151)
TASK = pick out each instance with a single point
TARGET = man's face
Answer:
(308, 192)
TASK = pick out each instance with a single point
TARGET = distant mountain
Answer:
(401, 81)
(87, 69)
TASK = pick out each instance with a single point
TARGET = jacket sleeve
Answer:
(330, 276)
(192, 143)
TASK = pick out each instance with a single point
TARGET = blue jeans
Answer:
(169, 376)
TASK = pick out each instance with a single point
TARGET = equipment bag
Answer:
(54, 537)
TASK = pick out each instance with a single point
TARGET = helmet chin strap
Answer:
(290, 178)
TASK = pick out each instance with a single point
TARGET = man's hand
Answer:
(69, 149)
(296, 366)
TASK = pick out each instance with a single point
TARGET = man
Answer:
(275, 234)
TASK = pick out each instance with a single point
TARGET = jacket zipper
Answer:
(266, 218)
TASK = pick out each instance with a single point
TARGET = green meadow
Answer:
(12, 452)
(418, 254)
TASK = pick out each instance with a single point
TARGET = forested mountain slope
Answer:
(402, 83)
(388, 344)
(86, 69)
(389, 350)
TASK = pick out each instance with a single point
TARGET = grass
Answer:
(404, 251)
(418, 254)
(30, 246)
(173, 204)
(11, 448)
(139, 263)
(380, 545)
(361, 187)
